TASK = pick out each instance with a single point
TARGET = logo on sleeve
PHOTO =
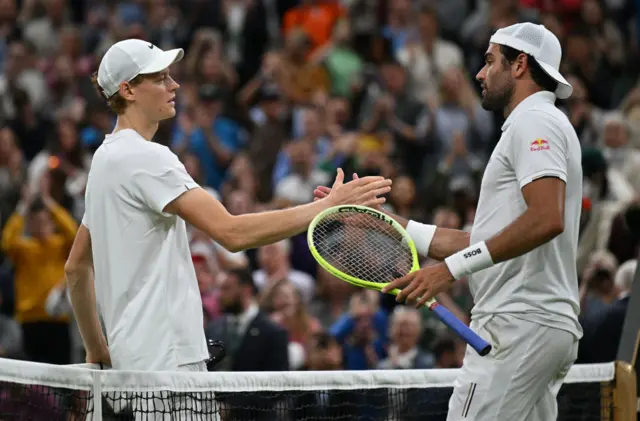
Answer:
(539, 145)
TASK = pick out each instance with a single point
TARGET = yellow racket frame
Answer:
(346, 277)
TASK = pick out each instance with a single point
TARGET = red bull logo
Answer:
(539, 145)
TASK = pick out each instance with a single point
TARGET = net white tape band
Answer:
(143, 381)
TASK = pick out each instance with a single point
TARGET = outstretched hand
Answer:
(360, 191)
(321, 192)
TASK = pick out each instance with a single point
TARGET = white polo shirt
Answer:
(145, 281)
(542, 285)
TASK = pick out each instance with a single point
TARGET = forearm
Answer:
(445, 241)
(257, 229)
(63, 220)
(83, 300)
(12, 232)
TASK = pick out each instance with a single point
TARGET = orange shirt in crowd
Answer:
(38, 265)
(317, 20)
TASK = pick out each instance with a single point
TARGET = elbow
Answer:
(231, 238)
(70, 271)
(555, 227)
(234, 245)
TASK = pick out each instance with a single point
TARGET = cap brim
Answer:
(564, 89)
(164, 60)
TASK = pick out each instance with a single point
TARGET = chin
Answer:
(167, 113)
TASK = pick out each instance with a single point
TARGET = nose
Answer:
(481, 74)
(173, 85)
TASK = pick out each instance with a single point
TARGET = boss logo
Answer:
(472, 253)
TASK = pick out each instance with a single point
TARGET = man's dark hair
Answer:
(37, 206)
(539, 76)
(444, 345)
(245, 278)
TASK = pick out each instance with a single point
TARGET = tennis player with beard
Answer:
(133, 235)
(521, 253)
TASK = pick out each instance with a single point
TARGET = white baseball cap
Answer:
(127, 59)
(539, 43)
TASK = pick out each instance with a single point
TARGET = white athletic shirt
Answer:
(145, 281)
(542, 285)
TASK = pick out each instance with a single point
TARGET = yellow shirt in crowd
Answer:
(38, 265)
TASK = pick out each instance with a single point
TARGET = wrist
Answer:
(422, 236)
(469, 260)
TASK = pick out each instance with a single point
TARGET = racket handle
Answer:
(481, 346)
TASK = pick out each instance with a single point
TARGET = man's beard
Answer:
(497, 100)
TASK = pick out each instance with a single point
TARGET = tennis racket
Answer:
(367, 248)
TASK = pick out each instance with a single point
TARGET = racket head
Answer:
(397, 245)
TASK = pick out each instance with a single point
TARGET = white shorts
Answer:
(519, 379)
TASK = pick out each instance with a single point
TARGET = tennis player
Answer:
(133, 235)
(521, 253)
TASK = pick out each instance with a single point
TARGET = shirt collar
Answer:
(541, 97)
(247, 316)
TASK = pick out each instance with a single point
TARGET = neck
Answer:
(428, 43)
(518, 97)
(136, 121)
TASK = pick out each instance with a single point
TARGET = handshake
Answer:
(365, 191)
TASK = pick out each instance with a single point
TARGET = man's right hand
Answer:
(321, 192)
(360, 191)
(99, 357)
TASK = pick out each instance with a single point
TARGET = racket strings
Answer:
(363, 246)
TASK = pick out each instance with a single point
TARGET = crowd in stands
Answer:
(274, 96)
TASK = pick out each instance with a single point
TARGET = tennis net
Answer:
(31, 391)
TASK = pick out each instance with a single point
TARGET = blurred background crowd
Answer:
(275, 95)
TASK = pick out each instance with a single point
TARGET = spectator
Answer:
(297, 187)
(405, 331)
(598, 290)
(66, 158)
(36, 239)
(315, 18)
(273, 260)
(449, 352)
(429, 57)
(391, 107)
(283, 303)
(362, 332)
(603, 329)
(245, 329)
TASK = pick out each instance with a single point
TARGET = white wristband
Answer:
(422, 235)
(472, 259)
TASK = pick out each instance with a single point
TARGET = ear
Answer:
(126, 91)
(520, 65)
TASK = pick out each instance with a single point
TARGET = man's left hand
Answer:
(422, 285)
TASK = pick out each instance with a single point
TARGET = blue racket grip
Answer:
(481, 346)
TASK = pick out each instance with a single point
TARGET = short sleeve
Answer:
(161, 179)
(538, 148)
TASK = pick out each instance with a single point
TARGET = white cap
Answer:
(127, 59)
(539, 43)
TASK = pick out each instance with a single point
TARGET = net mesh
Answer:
(30, 391)
(353, 242)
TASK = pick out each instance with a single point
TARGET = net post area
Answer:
(32, 391)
